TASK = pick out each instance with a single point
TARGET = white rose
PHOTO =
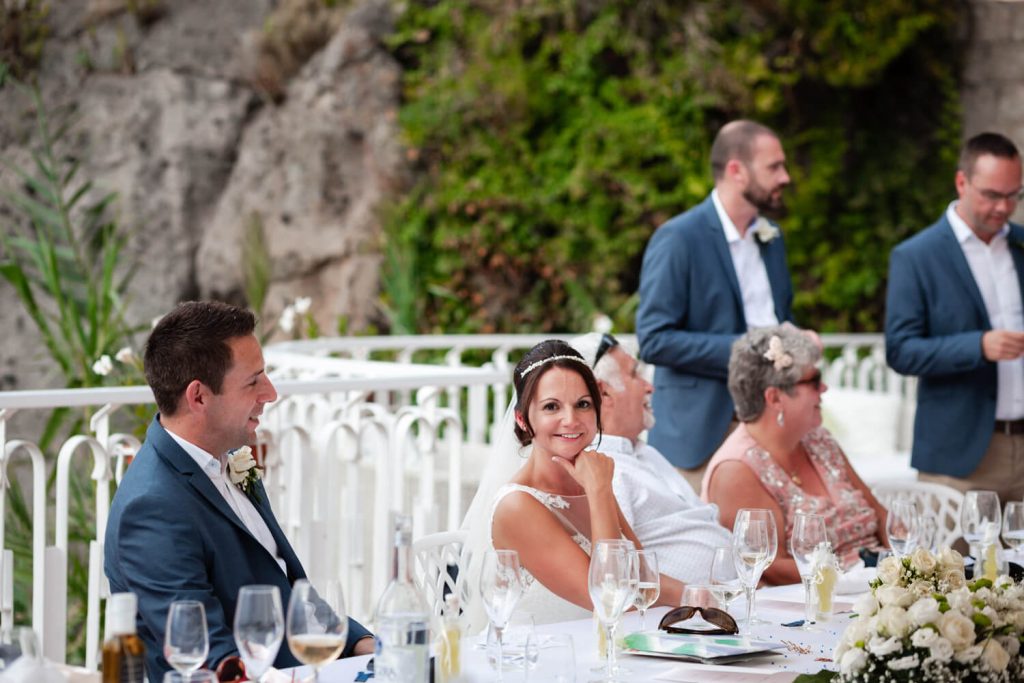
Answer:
(994, 656)
(894, 595)
(924, 637)
(889, 570)
(103, 365)
(953, 579)
(968, 655)
(921, 588)
(957, 629)
(924, 611)
(940, 651)
(857, 631)
(893, 621)
(922, 561)
(950, 559)
(239, 464)
(960, 600)
(1011, 644)
(853, 661)
(866, 605)
(904, 663)
(881, 647)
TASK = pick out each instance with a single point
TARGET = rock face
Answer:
(168, 119)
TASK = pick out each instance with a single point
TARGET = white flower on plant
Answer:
(302, 304)
(904, 663)
(894, 595)
(924, 637)
(924, 611)
(125, 355)
(853, 661)
(889, 570)
(960, 600)
(922, 561)
(953, 579)
(1010, 644)
(155, 321)
(957, 629)
(602, 324)
(881, 647)
(994, 656)
(940, 651)
(287, 320)
(893, 621)
(103, 366)
(920, 588)
(968, 654)
(764, 230)
(950, 559)
(243, 470)
(866, 605)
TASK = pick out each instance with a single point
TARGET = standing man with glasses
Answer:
(954, 318)
(708, 276)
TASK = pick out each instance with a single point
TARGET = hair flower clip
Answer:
(777, 355)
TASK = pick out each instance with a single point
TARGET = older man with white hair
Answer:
(663, 509)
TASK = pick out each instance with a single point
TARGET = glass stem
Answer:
(808, 606)
(611, 649)
(643, 618)
(749, 590)
(501, 654)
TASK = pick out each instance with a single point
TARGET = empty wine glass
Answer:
(190, 677)
(259, 628)
(773, 549)
(186, 640)
(901, 525)
(750, 553)
(611, 567)
(317, 625)
(648, 583)
(501, 586)
(979, 510)
(722, 577)
(808, 535)
(1013, 525)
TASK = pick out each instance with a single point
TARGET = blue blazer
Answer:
(691, 311)
(934, 320)
(172, 536)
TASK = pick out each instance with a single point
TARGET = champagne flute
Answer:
(901, 526)
(648, 583)
(186, 640)
(808, 535)
(722, 577)
(259, 628)
(609, 583)
(773, 549)
(1013, 525)
(980, 508)
(501, 586)
(317, 625)
(750, 553)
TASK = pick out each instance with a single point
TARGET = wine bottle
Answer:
(402, 620)
(124, 655)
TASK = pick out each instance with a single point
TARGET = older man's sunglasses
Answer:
(714, 616)
(608, 342)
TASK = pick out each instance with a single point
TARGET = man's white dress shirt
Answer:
(216, 470)
(758, 306)
(666, 514)
(996, 277)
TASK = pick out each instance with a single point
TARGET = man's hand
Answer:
(364, 646)
(999, 345)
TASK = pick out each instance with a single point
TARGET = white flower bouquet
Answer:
(923, 621)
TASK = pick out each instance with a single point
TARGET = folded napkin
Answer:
(855, 580)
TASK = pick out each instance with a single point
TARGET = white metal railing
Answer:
(348, 440)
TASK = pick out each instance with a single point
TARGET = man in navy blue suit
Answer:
(954, 318)
(708, 276)
(178, 528)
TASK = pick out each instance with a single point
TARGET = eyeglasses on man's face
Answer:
(993, 196)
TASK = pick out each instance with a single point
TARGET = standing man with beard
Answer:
(708, 276)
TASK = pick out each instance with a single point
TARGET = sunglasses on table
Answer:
(714, 616)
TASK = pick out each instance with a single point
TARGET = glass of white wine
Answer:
(722, 577)
(648, 586)
(186, 640)
(258, 628)
(317, 625)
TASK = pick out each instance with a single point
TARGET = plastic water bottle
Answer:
(402, 620)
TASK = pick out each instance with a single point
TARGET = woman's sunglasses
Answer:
(720, 618)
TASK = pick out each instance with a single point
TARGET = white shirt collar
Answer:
(208, 463)
(961, 230)
(618, 444)
(728, 227)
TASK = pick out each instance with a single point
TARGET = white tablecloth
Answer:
(782, 604)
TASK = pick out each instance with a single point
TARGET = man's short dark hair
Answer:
(735, 140)
(190, 343)
(985, 143)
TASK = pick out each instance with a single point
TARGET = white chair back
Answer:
(939, 501)
(434, 555)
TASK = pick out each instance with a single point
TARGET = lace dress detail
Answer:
(545, 606)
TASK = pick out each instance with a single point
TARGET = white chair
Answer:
(433, 556)
(941, 502)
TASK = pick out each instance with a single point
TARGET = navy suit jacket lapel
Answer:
(962, 270)
(716, 236)
(1016, 245)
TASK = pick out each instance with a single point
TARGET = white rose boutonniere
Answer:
(764, 231)
(244, 471)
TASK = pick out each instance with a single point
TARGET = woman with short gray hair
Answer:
(780, 456)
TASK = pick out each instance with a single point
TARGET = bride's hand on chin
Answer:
(591, 470)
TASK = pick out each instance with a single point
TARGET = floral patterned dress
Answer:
(849, 518)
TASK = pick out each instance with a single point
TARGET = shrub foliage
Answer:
(552, 137)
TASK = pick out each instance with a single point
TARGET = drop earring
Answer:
(780, 419)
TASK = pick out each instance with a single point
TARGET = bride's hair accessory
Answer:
(777, 355)
(544, 361)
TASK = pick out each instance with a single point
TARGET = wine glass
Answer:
(773, 549)
(317, 625)
(611, 567)
(648, 583)
(750, 554)
(1013, 525)
(722, 577)
(186, 640)
(901, 525)
(980, 509)
(259, 628)
(190, 677)
(808, 535)
(501, 586)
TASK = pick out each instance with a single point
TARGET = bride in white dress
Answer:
(550, 501)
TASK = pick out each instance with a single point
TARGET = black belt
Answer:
(1009, 427)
